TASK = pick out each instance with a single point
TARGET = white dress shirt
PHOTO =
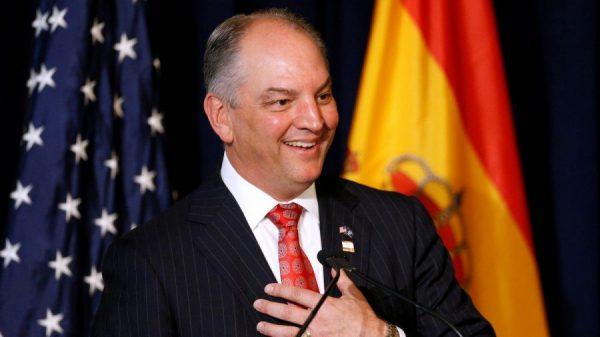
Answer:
(255, 205)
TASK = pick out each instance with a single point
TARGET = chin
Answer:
(309, 175)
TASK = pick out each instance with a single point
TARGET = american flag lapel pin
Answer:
(347, 239)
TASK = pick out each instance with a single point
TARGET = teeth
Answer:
(300, 144)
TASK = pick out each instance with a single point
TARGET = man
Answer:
(238, 256)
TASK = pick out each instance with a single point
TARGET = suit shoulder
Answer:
(387, 208)
(169, 223)
(364, 192)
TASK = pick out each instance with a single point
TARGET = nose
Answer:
(309, 116)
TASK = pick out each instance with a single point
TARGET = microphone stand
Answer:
(355, 271)
(338, 262)
(314, 311)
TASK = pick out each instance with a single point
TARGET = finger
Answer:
(270, 329)
(347, 287)
(287, 312)
(344, 283)
(304, 297)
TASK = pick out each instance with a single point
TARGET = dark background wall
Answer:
(551, 57)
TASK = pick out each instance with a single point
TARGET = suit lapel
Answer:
(337, 208)
(223, 236)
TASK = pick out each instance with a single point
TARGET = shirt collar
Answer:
(255, 203)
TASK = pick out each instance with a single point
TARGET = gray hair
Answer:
(220, 74)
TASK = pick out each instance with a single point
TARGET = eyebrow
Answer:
(292, 92)
(280, 91)
(325, 84)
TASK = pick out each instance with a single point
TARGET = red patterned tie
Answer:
(294, 267)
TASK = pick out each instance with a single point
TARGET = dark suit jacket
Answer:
(196, 269)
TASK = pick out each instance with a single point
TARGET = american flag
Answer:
(92, 164)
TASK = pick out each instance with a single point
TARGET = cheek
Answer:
(331, 118)
(275, 126)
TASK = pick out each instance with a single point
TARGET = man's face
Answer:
(285, 115)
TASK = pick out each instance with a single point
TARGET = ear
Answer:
(218, 112)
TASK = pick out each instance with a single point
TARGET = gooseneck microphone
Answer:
(337, 260)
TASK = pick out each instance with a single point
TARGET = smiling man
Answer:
(280, 120)
(238, 256)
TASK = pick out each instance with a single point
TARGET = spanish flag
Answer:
(433, 119)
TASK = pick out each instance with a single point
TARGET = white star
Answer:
(57, 19)
(155, 122)
(21, 194)
(88, 91)
(146, 180)
(70, 206)
(79, 149)
(94, 279)
(33, 136)
(156, 64)
(32, 81)
(40, 23)
(61, 265)
(106, 222)
(9, 253)
(44, 78)
(96, 31)
(118, 106)
(112, 164)
(125, 48)
(51, 323)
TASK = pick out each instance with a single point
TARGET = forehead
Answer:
(273, 50)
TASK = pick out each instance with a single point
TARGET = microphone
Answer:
(337, 260)
(334, 259)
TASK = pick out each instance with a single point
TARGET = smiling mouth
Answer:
(301, 145)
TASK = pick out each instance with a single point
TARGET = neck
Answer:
(274, 188)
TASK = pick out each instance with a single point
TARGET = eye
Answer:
(281, 102)
(324, 98)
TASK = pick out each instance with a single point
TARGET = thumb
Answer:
(347, 287)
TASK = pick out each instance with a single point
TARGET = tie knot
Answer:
(285, 215)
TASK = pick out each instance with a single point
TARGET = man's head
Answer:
(223, 46)
(269, 100)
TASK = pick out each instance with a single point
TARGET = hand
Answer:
(347, 316)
